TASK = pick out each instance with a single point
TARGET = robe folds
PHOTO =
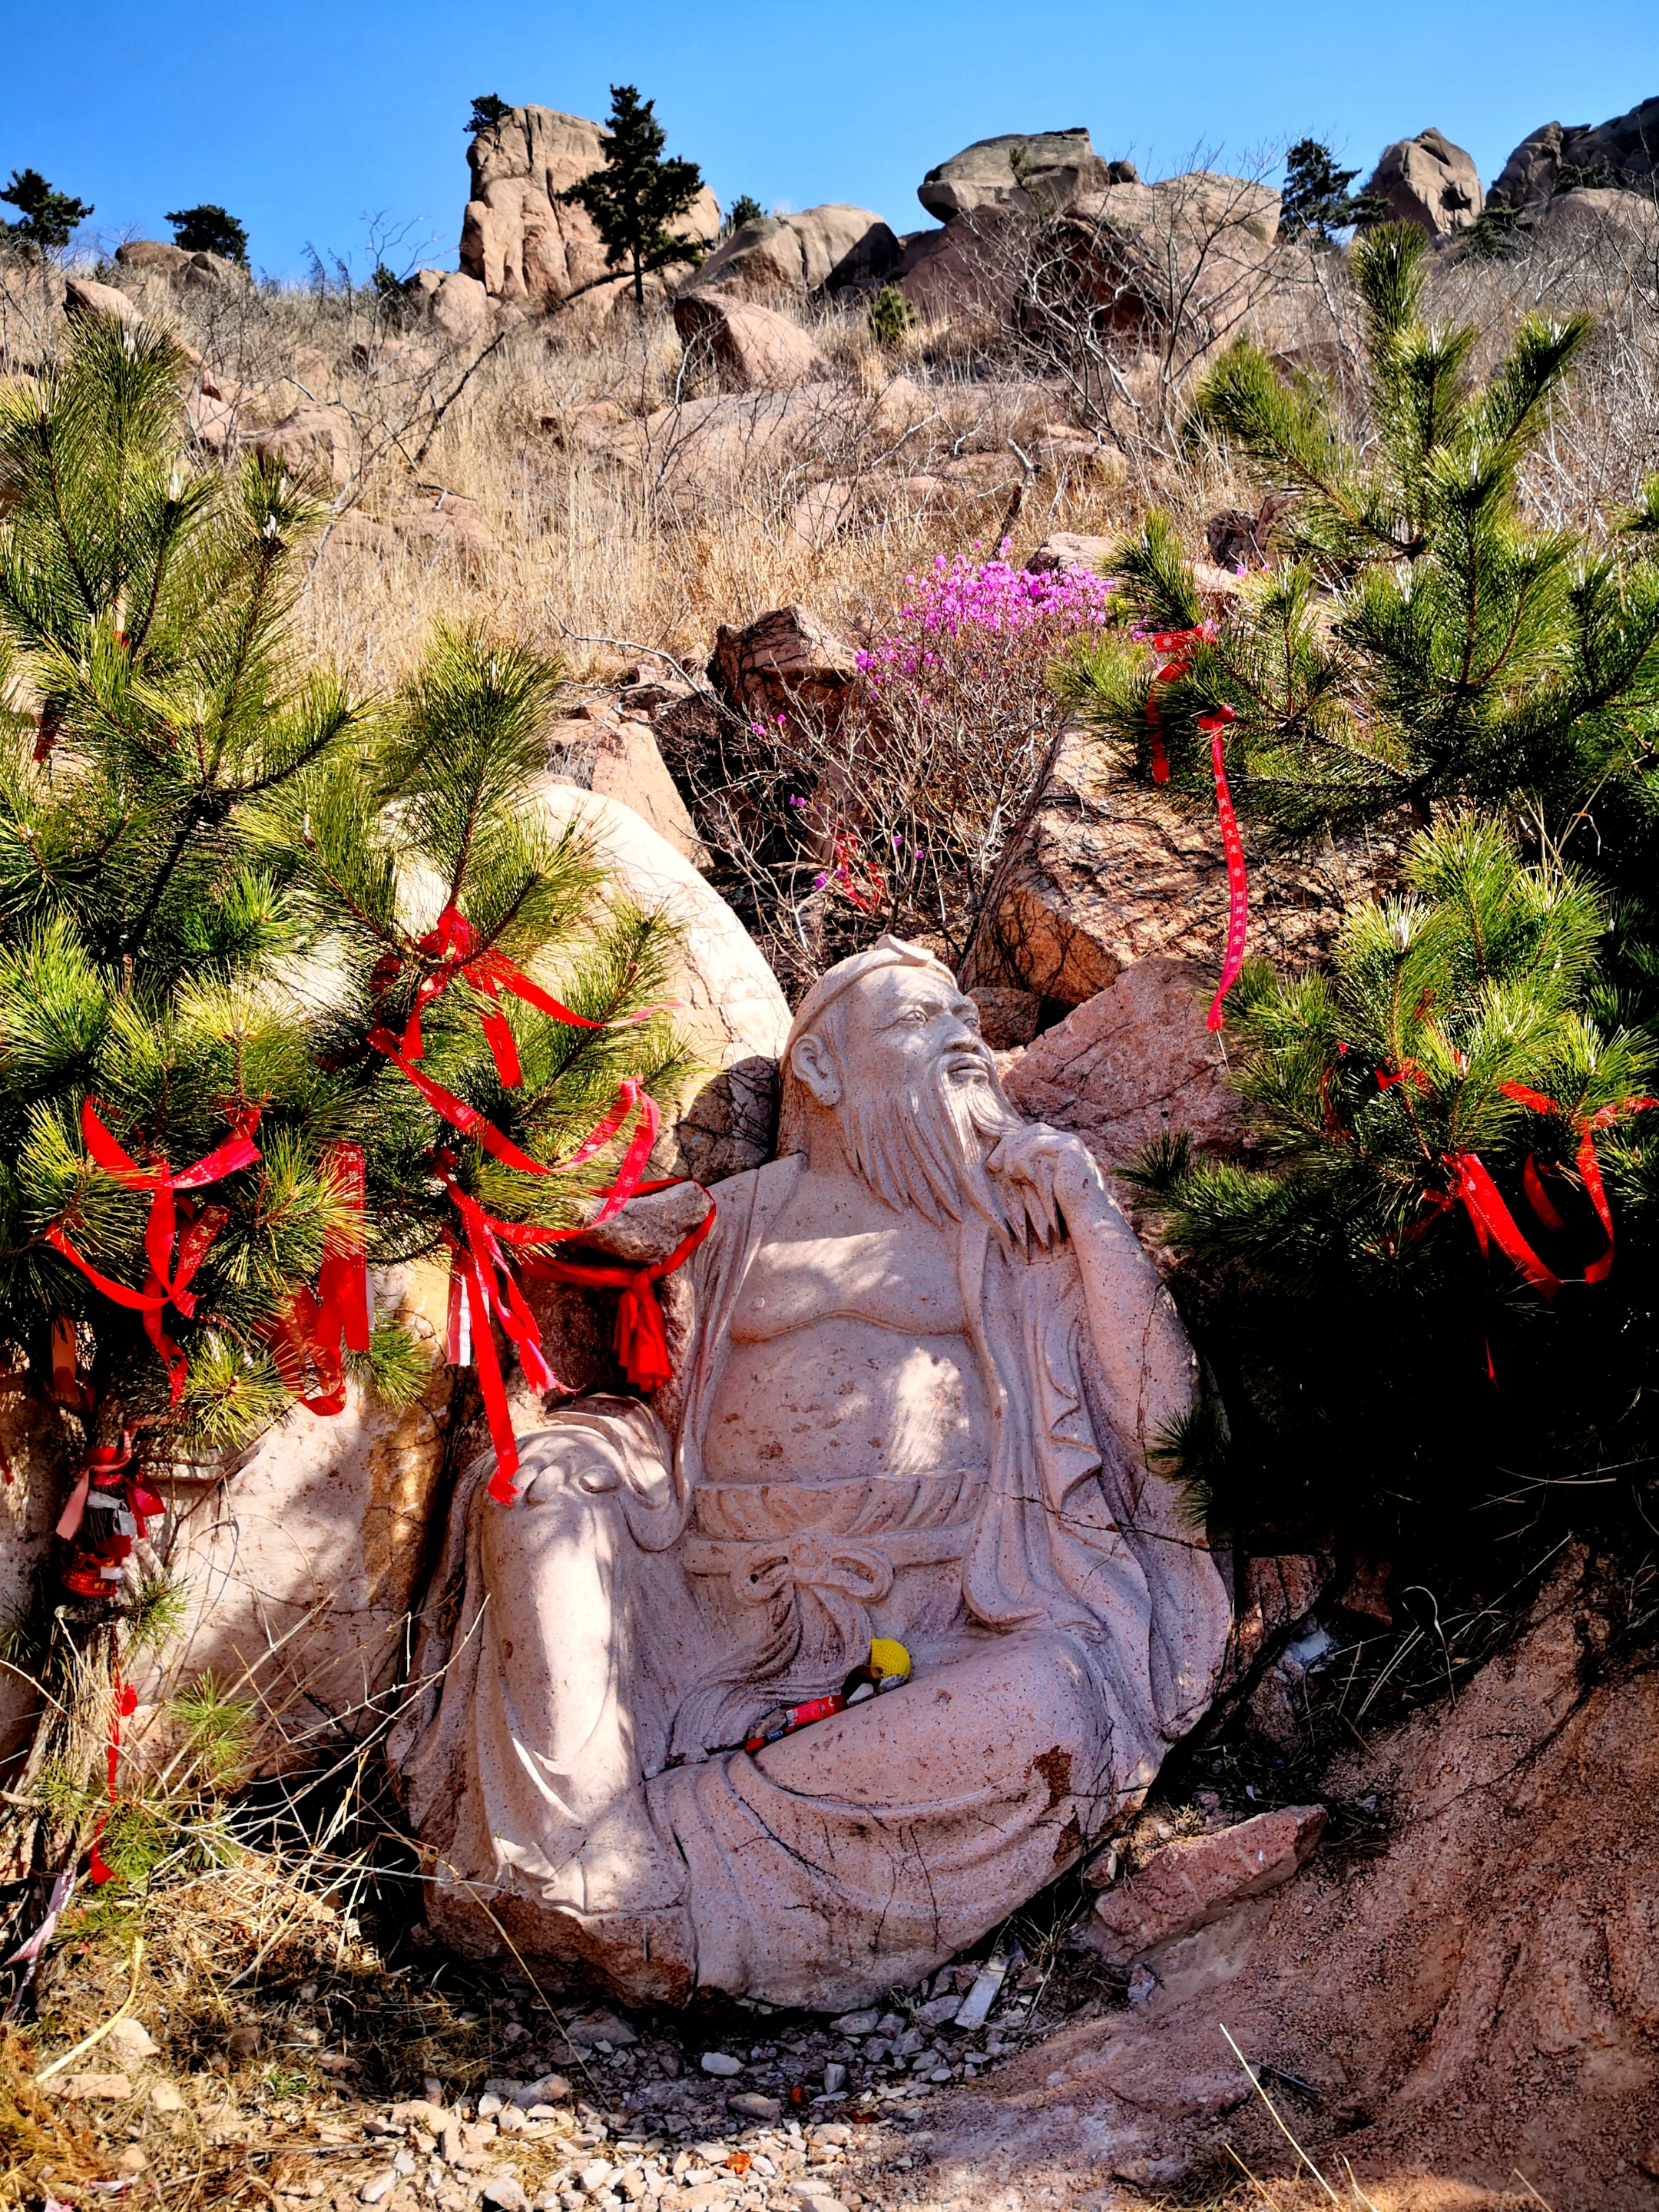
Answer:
(586, 1654)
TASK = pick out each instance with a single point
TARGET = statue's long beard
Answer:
(926, 1148)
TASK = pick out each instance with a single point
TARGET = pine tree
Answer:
(637, 193)
(49, 216)
(892, 318)
(1453, 1064)
(220, 877)
(210, 230)
(1418, 648)
(488, 110)
(745, 208)
(1316, 201)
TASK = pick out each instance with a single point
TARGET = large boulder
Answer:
(82, 296)
(1018, 170)
(1132, 1064)
(1621, 153)
(1529, 177)
(729, 1009)
(1428, 181)
(1112, 872)
(301, 1557)
(970, 267)
(185, 271)
(751, 349)
(1590, 217)
(822, 249)
(1132, 251)
(151, 257)
(316, 440)
(788, 660)
(518, 239)
(624, 764)
(461, 309)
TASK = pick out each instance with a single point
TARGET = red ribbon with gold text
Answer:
(1238, 898)
(168, 1278)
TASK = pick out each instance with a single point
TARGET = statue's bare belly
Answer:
(842, 1398)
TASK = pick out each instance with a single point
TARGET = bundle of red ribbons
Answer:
(310, 1340)
(1175, 648)
(1490, 1218)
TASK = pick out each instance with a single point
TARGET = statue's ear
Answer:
(812, 1062)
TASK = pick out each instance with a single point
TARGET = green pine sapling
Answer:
(219, 873)
(1419, 646)
(1417, 1222)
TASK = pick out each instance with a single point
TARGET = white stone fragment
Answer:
(972, 2011)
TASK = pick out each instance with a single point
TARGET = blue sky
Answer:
(305, 118)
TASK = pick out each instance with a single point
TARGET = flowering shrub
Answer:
(968, 608)
(897, 812)
(945, 750)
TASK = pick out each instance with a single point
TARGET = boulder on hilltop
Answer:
(822, 249)
(151, 256)
(1428, 181)
(1014, 171)
(518, 239)
(1556, 156)
(1130, 248)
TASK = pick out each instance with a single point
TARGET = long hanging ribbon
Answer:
(482, 1287)
(342, 1281)
(123, 1703)
(481, 1276)
(1238, 902)
(1493, 1222)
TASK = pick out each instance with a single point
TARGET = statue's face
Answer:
(907, 1025)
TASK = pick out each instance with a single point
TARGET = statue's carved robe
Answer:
(628, 1613)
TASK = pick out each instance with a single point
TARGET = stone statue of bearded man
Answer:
(926, 1361)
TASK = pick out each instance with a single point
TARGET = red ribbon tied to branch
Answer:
(1178, 645)
(317, 1330)
(481, 1283)
(1238, 892)
(1589, 1128)
(454, 941)
(168, 1278)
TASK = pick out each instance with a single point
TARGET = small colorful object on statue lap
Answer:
(888, 1668)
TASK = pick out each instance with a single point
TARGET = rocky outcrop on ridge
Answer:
(1429, 181)
(824, 249)
(1556, 156)
(1016, 171)
(518, 239)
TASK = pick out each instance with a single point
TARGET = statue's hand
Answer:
(1052, 1170)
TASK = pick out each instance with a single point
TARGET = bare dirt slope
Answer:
(1480, 2004)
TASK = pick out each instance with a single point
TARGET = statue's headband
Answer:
(885, 952)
